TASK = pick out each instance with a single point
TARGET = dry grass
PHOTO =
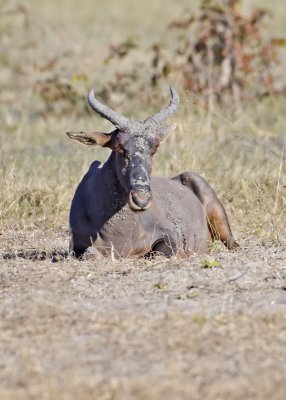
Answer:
(132, 329)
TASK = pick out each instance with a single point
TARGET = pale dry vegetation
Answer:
(132, 329)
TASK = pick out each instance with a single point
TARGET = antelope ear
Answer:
(90, 138)
(163, 132)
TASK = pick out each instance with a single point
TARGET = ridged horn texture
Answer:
(166, 112)
(104, 111)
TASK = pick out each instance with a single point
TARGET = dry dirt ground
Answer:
(132, 329)
(160, 329)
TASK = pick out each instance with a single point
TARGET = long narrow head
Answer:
(134, 142)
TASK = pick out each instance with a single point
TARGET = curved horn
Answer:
(104, 111)
(166, 112)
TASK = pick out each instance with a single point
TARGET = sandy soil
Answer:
(142, 329)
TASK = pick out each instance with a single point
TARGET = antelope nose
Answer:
(140, 200)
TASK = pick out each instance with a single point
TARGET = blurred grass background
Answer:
(48, 48)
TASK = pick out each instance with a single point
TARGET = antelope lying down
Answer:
(118, 207)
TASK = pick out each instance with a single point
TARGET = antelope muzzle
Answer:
(139, 201)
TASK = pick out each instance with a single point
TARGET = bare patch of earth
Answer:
(139, 329)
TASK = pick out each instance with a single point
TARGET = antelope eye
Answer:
(154, 149)
(119, 149)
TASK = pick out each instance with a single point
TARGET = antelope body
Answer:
(118, 207)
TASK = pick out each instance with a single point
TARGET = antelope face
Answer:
(133, 167)
(135, 143)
